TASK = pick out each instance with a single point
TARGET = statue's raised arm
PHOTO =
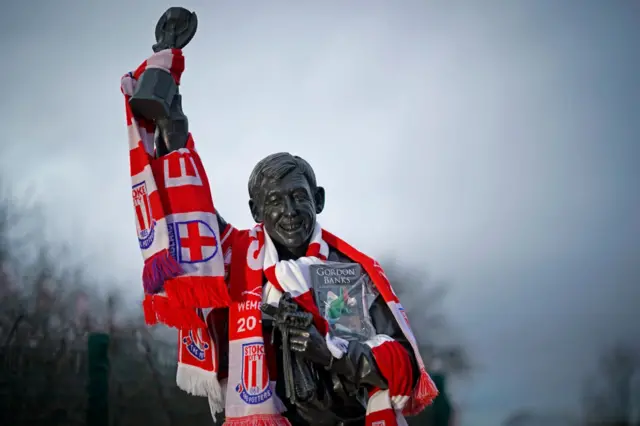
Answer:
(157, 96)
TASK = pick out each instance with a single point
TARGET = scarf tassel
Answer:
(157, 269)
(150, 317)
(158, 309)
(426, 391)
(258, 420)
(197, 382)
(199, 292)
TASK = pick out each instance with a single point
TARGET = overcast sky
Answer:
(495, 143)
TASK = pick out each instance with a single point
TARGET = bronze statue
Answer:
(285, 197)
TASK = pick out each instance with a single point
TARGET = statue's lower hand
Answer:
(311, 345)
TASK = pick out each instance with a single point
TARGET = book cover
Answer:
(339, 293)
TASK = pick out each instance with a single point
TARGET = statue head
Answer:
(284, 195)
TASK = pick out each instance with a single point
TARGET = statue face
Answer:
(288, 209)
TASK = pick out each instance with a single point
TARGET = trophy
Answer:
(156, 96)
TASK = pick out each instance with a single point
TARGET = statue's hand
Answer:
(311, 345)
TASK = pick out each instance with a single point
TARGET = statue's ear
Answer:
(319, 199)
(256, 212)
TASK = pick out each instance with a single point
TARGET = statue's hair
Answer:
(277, 166)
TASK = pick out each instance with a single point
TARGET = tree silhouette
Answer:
(444, 357)
(422, 298)
(611, 397)
(46, 312)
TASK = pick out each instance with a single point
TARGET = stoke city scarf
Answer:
(175, 217)
(250, 396)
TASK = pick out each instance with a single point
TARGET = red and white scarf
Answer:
(181, 287)
(255, 259)
(175, 217)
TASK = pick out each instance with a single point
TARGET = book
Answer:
(340, 291)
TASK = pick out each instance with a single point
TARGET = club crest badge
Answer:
(145, 225)
(254, 388)
(195, 345)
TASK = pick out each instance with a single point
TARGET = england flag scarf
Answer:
(175, 218)
(184, 278)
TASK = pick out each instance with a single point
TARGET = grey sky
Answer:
(495, 142)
